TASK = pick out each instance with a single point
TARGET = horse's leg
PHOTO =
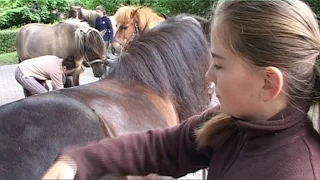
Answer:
(44, 84)
(68, 82)
(26, 92)
(76, 76)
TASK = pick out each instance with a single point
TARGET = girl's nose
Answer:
(210, 75)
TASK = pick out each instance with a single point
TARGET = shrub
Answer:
(8, 40)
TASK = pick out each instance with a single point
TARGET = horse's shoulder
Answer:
(123, 107)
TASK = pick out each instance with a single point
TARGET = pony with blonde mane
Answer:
(69, 37)
(132, 20)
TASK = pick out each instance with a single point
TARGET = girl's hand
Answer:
(63, 168)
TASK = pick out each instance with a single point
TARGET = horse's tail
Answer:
(20, 45)
(89, 39)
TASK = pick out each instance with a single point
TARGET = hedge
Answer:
(8, 40)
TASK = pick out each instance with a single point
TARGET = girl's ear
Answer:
(273, 83)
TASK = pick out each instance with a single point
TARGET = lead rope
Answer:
(313, 114)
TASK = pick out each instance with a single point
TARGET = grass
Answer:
(8, 58)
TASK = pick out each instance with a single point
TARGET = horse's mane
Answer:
(77, 12)
(89, 15)
(76, 22)
(205, 23)
(171, 59)
(146, 17)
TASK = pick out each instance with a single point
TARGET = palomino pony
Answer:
(69, 37)
(131, 21)
(89, 16)
(157, 82)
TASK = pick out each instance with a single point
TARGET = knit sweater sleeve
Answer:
(57, 80)
(169, 152)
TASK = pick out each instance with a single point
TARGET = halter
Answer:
(96, 61)
(86, 59)
(106, 62)
(136, 32)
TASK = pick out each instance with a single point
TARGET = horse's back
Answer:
(31, 37)
(53, 39)
(34, 130)
(125, 109)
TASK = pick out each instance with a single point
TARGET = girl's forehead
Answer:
(218, 48)
(219, 39)
(224, 54)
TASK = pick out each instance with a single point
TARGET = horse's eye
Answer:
(125, 27)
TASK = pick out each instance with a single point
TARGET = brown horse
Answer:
(70, 37)
(157, 82)
(132, 20)
(89, 16)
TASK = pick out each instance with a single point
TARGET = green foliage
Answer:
(111, 6)
(8, 58)
(20, 12)
(7, 4)
(8, 40)
(17, 13)
(168, 7)
(199, 7)
(315, 5)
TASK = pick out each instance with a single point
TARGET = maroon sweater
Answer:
(280, 148)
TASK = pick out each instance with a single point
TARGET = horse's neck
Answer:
(155, 21)
(148, 20)
(164, 105)
(89, 16)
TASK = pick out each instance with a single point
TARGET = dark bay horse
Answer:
(132, 20)
(89, 16)
(69, 37)
(157, 82)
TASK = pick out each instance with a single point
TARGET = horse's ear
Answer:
(205, 24)
(121, 5)
(166, 17)
(133, 13)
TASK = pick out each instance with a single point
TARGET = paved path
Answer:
(11, 90)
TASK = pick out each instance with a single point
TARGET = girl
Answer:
(44, 68)
(265, 75)
(103, 23)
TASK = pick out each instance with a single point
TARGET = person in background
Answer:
(266, 80)
(104, 25)
(44, 68)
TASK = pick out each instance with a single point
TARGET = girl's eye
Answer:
(217, 67)
(125, 27)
